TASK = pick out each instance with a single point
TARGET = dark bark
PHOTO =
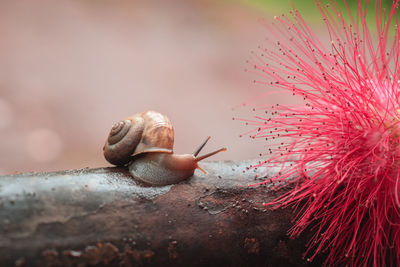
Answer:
(103, 217)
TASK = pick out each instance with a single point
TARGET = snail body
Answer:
(163, 168)
(144, 142)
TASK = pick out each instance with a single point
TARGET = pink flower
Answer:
(344, 140)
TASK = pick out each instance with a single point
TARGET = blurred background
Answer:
(69, 69)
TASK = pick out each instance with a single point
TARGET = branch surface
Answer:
(104, 217)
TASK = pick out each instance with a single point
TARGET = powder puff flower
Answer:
(344, 139)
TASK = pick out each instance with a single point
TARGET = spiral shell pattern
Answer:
(143, 132)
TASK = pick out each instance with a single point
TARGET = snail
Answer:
(144, 142)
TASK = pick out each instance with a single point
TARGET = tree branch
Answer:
(104, 217)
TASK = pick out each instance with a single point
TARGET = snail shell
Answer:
(143, 132)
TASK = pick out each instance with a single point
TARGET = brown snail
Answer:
(145, 143)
